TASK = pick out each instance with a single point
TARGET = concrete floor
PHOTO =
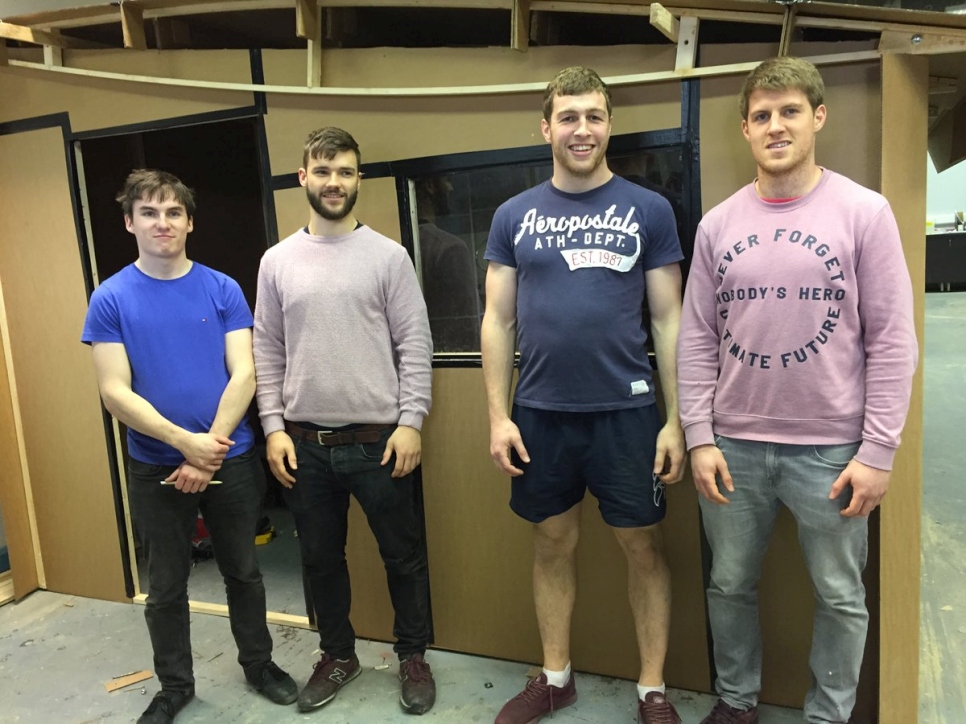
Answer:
(57, 652)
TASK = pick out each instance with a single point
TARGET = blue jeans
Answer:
(766, 476)
(319, 501)
(164, 523)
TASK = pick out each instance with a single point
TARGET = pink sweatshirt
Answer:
(341, 333)
(797, 325)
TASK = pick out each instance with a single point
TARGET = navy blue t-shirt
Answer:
(173, 331)
(580, 261)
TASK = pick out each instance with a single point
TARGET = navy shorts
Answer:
(611, 453)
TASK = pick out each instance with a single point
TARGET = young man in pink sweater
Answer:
(796, 355)
(343, 358)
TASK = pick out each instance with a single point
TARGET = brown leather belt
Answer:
(360, 434)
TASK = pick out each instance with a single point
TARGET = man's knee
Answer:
(644, 547)
(556, 537)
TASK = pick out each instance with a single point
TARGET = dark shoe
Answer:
(165, 705)
(273, 683)
(537, 699)
(417, 688)
(329, 676)
(654, 708)
(725, 714)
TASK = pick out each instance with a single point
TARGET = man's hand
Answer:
(189, 479)
(407, 443)
(869, 486)
(280, 450)
(707, 463)
(205, 450)
(503, 436)
(669, 460)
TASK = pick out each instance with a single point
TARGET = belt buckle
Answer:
(321, 434)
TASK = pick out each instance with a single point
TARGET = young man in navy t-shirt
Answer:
(172, 346)
(571, 263)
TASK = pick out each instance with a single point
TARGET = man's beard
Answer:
(318, 207)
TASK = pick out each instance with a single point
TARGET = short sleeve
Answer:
(662, 245)
(499, 244)
(103, 322)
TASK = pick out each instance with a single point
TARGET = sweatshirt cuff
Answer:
(412, 419)
(876, 455)
(272, 423)
(698, 433)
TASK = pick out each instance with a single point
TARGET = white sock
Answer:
(558, 678)
(643, 691)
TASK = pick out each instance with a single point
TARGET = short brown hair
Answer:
(328, 141)
(574, 81)
(147, 184)
(778, 74)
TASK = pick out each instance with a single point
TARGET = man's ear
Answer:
(545, 129)
(821, 115)
(303, 175)
(128, 223)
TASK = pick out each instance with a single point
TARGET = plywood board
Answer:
(905, 100)
(63, 430)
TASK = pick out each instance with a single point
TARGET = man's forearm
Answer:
(233, 404)
(497, 348)
(665, 336)
(140, 415)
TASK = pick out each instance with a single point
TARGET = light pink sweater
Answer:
(341, 333)
(797, 325)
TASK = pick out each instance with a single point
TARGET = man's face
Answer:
(332, 185)
(160, 227)
(578, 132)
(781, 128)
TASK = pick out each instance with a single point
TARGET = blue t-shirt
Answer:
(174, 333)
(580, 261)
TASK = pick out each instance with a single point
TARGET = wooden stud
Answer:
(37, 37)
(918, 43)
(53, 55)
(788, 29)
(687, 43)
(132, 23)
(306, 18)
(3, 53)
(313, 50)
(520, 25)
(666, 23)
(577, 6)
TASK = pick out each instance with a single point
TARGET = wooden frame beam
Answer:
(23, 34)
(311, 24)
(920, 43)
(53, 55)
(788, 29)
(306, 18)
(664, 76)
(664, 22)
(3, 52)
(687, 43)
(132, 23)
(520, 25)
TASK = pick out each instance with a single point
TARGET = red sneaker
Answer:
(536, 700)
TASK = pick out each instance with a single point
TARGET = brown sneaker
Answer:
(329, 676)
(726, 714)
(537, 699)
(417, 692)
(654, 708)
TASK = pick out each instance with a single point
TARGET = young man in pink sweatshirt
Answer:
(795, 361)
(343, 360)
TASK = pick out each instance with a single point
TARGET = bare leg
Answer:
(649, 591)
(555, 583)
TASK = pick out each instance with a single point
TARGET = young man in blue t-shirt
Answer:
(571, 263)
(172, 346)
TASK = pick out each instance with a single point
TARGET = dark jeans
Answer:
(319, 502)
(164, 523)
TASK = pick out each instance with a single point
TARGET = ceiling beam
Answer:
(920, 43)
(37, 37)
(306, 18)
